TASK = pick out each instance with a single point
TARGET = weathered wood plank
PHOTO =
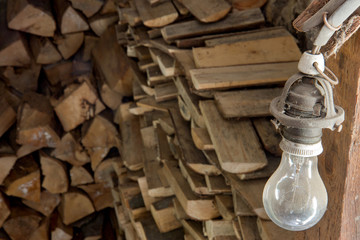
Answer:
(156, 16)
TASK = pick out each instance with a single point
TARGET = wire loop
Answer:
(334, 81)
(331, 27)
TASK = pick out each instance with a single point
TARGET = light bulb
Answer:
(295, 197)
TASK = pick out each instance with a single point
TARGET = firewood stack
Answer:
(156, 108)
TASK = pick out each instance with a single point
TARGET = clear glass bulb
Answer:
(295, 197)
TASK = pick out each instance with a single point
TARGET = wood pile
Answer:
(156, 108)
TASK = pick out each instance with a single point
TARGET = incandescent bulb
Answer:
(295, 197)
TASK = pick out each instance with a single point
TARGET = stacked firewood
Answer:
(197, 142)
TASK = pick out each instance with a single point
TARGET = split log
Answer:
(7, 116)
(22, 222)
(180, 7)
(242, 76)
(209, 10)
(80, 176)
(24, 180)
(131, 16)
(246, 4)
(55, 174)
(68, 19)
(94, 229)
(36, 124)
(156, 16)
(7, 161)
(13, 46)
(4, 209)
(88, 7)
(237, 20)
(99, 136)
(70, 150)
(59, 231)
(232, 158)
(44, 51)
(100, 23)
(48, 202)
(80, 104)
(246, 103)
(89, 44)
(109, 7)
(100, 194)
(112, 63)
(268, 46)
(31, 16)
(163, 214)
(74, 206)
(42, 232)
(105, 170)
(69, 44)
(197, 208)
(60, 72)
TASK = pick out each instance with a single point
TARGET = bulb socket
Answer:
(304, 150)
(302, 135)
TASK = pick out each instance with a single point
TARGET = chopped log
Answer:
(209, 10)
(269, 137)
(24, 180)
(163, 214)
(233, 158)
(60, 72)
(31, 16)
(217, 184)
(193, 157)
(98, 137)
(111, 98)
(242, 76)
(68, 19)
(7, 161)
(89, 44)
(80, 176)
(194, 228)
(44, 50)
(131, 16)
(74, 206)
(246, 103)
(165, 92)
(105, 170)
(42, 232)
(156, 16)
(237, 20)
(59, 231)
(4, 209)
(246, 4)
(93, 230)
(69, 44)
(197, 208)
(109, 7)
(248, 228)
(270, 231)
(70, 150)
(113, 64)
(259, 47)
(196, 181)
(100, 23)
(13, 46)
(219, 229)
(225, 206)
(55, 174)
(180, 7)
(48, 202)
(148, 200)
(201, 138)
(100, 195)
(22, 222)
(7, 116)
(266, 172)
(80, 104)
(88, 7)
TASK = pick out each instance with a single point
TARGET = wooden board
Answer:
(163, 214)
(246, 103)
(165, 91)
(269, 136)
(273, 164)
(264, 49)
(194, 229)
(225, 206)
(270, 231)
(217, 229)
(246, 4)
(234, 21)
(197, 208)
(156, 16)
(209, 10)
(241, 208)
(249, 229)
(201, 138)
(217, 184)
(241, 152)
(242, 76)
(196, 181)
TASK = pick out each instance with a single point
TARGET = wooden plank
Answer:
(241, 152)
(155, 76)
(196, 181)
(249, 229)
(163, 214)
(179, 210)
(217, 184)
(242, 76)
(225, 206)
(194, 228)
(168, 65)
(273, 164)
(156, 16)
(165, 91)
(269, 136)
(270, 231)
(246, 4)
(201, 138)
(217, 229)
(197, 208)
(235, 21)
(262, 50)
(193, 158)
(208, 10)
(241, 208)
(246, 103)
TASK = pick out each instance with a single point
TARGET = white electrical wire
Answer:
(335, 20)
